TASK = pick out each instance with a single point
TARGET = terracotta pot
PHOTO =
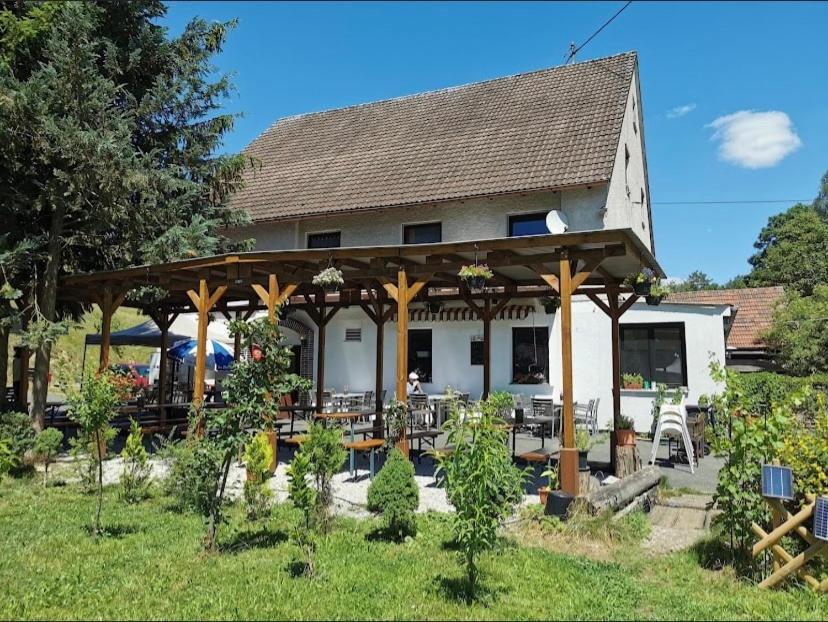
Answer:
(543, 493)
(634, 385)
(625, 438)
(274, 445)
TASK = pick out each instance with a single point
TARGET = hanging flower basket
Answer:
(653, 301)
(641, 282)
(475, 275)
(550, 305)
(330, 280)
(435, 306)
(657, 294)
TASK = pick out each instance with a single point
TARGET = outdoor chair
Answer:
(420, 409)
(587, 415)
(327, 401)
(545, 407)
(672, 424)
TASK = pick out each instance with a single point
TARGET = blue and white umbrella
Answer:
(218, 356)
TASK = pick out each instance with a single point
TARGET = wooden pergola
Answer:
(387, 279)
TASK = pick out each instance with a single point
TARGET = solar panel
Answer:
(821, 518)
(777, 482)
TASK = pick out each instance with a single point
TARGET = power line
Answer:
(573, 50)
(731, 202)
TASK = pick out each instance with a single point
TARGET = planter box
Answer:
(557, 503)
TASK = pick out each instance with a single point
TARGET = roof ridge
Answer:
(447, 89)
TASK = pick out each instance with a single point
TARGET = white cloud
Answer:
(680, 111)
(755, 139)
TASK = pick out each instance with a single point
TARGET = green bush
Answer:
(47, 445)
(135, 477)
(324, 450)
(19, 436)
(258, 454)
(395, 495)
(194, 473)
(304, 498)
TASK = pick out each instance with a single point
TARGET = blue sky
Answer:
(707, 71)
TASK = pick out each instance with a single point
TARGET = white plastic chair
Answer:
(672, 423)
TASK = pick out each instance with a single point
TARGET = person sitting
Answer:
(413, 385)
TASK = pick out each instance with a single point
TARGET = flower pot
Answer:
(625, 438)
(583, 464)
(634, 385)
(543, 493)
(330, 288)
(643, 288)
(557, 503)
(654, 301)
(475, 282)
(551, 308)
(271, 437)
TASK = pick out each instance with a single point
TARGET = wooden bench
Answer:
(540, 455)
(296, 440)
(370, 445)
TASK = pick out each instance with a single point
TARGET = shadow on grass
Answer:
(459, 589)
(263, 538)
(114, 530)
(714, 553)
(381, 534)
(299, 569)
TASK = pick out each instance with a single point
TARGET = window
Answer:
(331, 239)
(419, 353)
(527, 224)
(476, 353)
(530, 355)
(423, 234)
(656, 351)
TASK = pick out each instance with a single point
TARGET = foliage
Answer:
(258, 455)
(323, 449)
(135, 477)
(16, 431)
(697, 281)
(396, 415)
(632, 380)
(625, 423)
(583, 441)
(482, 484)
(498, 404)
(477, 270)
(329, 277)
(790, 251)
(645, 275)
(193, 474)
(798, 333)
(304, 498)
(7, 457)
(46, 446)
(92, 408)
(662, 394)
(805, 444)
(395, 495)
(551, 474)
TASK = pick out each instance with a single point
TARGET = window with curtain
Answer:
(656, 351)
(530, 355)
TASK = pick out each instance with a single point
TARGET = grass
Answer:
(151, 566)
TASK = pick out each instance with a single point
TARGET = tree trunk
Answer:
(4, 364)
(215, 513)
(47, 305)
(100, 484)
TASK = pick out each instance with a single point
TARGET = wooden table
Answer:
(541, 421)
(293, 409)
(340, 417)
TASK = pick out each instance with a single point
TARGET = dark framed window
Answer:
(427, 233)
(330, 239)
(527, 224)
(476, 352)
(656, 351)
(530, 355)
(420, 353)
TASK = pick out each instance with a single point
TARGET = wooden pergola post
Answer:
(273, 296)
(486, 313)
(109, 303)
(320, 316)
(163, 320)
(568, 462)
(203, 302)
(379, 314)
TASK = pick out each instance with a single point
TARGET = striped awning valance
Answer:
(465, 314)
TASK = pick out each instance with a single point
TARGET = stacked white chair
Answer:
(672, 423)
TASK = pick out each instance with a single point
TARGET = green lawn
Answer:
(151, 566)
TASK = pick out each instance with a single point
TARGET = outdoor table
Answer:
(541, 421)
(308, 410)
(351, 417)
(339, 398)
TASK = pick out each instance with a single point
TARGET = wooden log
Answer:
(786, 557)
(621, 493)
(627, 462)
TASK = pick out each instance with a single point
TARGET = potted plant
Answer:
(632, 381)
(552, 477)
(396, 416)
(434, 306)
(657, 293)
(550, 305)
(641, 282)
(625, 431)
(583, 442)
(475, 275)
(330, 279)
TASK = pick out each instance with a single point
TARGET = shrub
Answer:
(805, 444)
(47, 445)
(7, 459)
(258, 454)
(481, 483)
(395, 495)
(194, 473)
(19, 436)
(303, 497)
(323, 448)
(135, 477)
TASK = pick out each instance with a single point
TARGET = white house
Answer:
(480, 161)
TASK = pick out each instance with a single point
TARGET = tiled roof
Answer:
(551, 128)
(753, 317)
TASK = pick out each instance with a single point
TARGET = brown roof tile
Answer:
(550, 128)
(753, 317)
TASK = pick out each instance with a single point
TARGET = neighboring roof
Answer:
(754, 310)
(551, 128)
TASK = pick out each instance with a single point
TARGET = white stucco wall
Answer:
(352, 364)
(629, 180)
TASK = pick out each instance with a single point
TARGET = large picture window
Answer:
(419, 353)
(527, 224)
(428, 233)
(530, 355)
(330, 239)
(656, 351)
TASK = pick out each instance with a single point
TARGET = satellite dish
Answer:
(556, 222)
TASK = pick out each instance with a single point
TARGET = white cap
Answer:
(413, 376)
